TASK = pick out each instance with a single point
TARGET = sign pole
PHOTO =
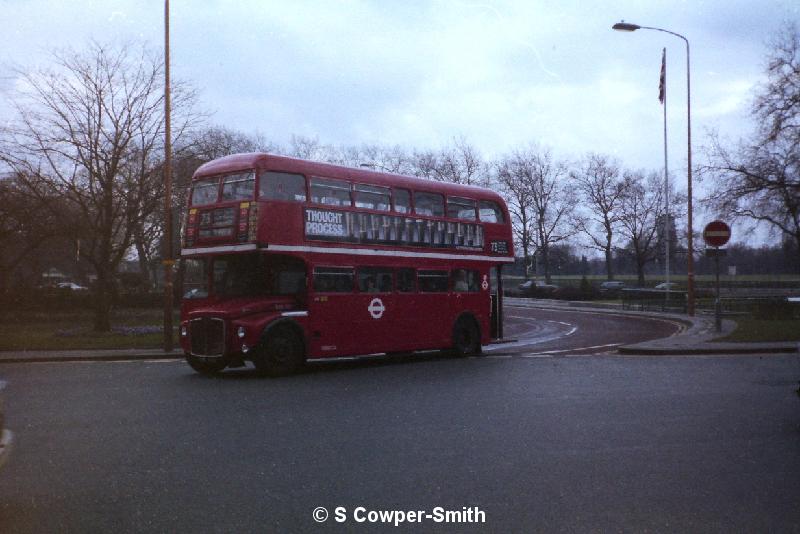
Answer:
(716, 234)
(717, 303)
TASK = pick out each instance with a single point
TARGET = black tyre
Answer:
(466, 337)
(206, 366)
(281, 352)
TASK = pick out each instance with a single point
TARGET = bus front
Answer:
(234, 293)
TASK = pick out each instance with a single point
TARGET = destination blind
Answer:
(349, 227)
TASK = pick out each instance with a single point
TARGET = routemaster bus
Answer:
(286, 260)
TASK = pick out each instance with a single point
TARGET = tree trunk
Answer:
(609, 263)
(640, 271)
(526, 257)
(102, 302)
(144, 262)
(609, 250)
(546, 260)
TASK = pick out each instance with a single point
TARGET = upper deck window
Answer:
(240, 186)
(461, 208)
(490, 212)
(282, 186)
(428, 204)
(372, 197)
(205, 191)
(331, 192)
(402, 201)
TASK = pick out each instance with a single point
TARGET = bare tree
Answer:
(205, 144)
(513, 185)
(89, 129)
(553, 204)
(600, 188)
(310, 148)
(27, 223)
(394, 159)
(641, 209)
(548, 198)
(777, 103)
(460, 163)
(759, 180)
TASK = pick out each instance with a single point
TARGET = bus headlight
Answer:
(184, 331)
(241, 332)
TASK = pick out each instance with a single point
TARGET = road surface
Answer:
(556, 442)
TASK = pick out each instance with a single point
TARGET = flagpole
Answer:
(663, 95)
(628, 27)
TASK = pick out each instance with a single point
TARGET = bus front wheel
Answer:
(466, 337)
(206, 366)
(281, 353)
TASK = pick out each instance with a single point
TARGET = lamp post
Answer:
(628, 27)
(168, 261)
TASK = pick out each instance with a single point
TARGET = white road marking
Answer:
(533, 337)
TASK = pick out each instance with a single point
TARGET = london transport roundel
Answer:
(376, 308)
(716, 233)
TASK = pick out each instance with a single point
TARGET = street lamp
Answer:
(628, 27)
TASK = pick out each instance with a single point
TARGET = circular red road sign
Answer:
(716, 233)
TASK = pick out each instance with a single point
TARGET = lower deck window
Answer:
(433, 281)
(333, 279)
(374, 280)
(243, 275)
(466, 280)
(195, 278)
(406, 280)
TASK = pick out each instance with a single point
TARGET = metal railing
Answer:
(654, 300)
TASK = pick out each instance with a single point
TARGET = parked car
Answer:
(71, 286)
(539, 287)
(611, 286)
(6, 437)
(669, 286)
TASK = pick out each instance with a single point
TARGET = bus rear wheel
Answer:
(281, 353)
(206, 366)
(466, 337)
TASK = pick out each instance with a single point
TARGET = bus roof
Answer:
(261, 161)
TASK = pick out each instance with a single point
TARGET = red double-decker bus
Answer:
(286, 260)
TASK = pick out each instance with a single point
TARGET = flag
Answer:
(662, 82)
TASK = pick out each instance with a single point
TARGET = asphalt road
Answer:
(538, 442)
(552, 331)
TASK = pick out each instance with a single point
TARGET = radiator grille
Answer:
(208, 336)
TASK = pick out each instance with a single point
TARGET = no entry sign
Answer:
(716, 233)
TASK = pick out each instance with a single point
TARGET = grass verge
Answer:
(69, 330)
(760, 330)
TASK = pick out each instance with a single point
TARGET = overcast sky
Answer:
(419, 73)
